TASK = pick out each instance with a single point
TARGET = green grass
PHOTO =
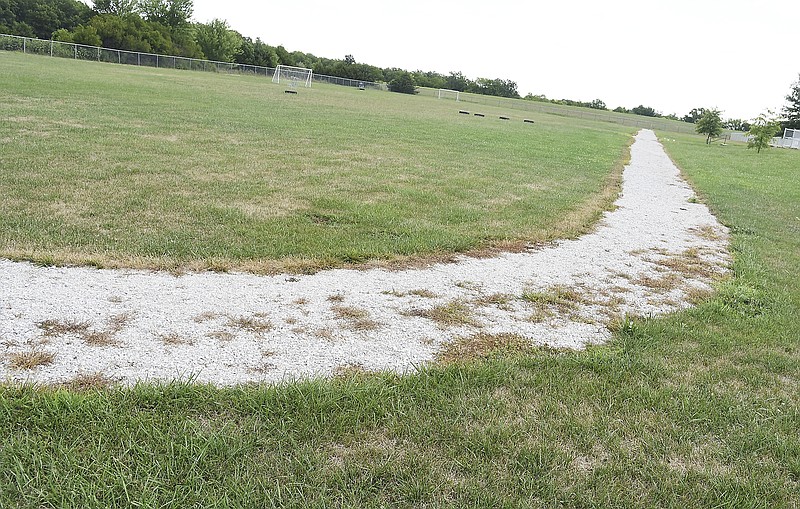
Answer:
(115, 165)
(698, 409)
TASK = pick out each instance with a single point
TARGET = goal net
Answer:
(444, 93)
(292, 75)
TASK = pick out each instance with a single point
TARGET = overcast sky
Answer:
(740, 56)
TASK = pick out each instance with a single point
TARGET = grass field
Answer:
(698, 409)
(115, 165)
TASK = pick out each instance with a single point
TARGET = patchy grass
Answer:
(696, 409)
(248, 179)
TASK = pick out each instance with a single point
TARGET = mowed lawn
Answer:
(115, 165)
(697, 409)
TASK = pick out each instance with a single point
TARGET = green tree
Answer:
(40, 18)
(792, 108)
(598, 104)
(218, 41)
(118, 7)
(762, 130)
(171, 13)
(646, 111)
(693, 116)
(403, 83)
(710, 124)
(457, 81)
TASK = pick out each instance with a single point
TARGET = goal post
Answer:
(292, 75)
(444, 93)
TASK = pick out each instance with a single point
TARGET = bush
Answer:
(403, 83)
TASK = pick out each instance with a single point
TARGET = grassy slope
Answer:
(117, 165)
(696, 409)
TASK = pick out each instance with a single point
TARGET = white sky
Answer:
(672, 55)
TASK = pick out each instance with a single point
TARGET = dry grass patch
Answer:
(424, 293)
(175, 339)
(325, 333)
(337, 297)
(300, 302)
(481, 345)
(52, 328)
(661, 284)
(88, 382)
(30, 360)
(706, 232)
(103, 337)
(557, 299)
(356, 318)
(690, 263)
(252, 324)
(500, 300)
(350, 370)
(221, 335)
(205, 316)
(451, 314)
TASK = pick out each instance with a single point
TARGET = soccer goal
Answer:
(294, 76)
(444, 93)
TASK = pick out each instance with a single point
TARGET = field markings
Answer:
(653, 254)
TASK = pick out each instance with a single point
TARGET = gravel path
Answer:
(648, 256)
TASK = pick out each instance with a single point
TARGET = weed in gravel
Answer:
(301, 301)
(336, 297)
(31, 359)
(481, 345)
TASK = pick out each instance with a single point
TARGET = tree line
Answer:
(165, 27)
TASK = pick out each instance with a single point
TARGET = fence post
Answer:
(24, 45)
(119, 57)
(51, 47)
(98, 53)
(75, 50)
(138, 58)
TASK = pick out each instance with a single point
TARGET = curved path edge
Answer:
(649, 256)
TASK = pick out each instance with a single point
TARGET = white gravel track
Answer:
(237, 328)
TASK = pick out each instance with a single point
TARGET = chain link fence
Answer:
(117, 56)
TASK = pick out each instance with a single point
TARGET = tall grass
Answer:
(124, 166)
(697, 409)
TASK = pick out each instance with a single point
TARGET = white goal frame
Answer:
(444, 93)
(293, 75)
